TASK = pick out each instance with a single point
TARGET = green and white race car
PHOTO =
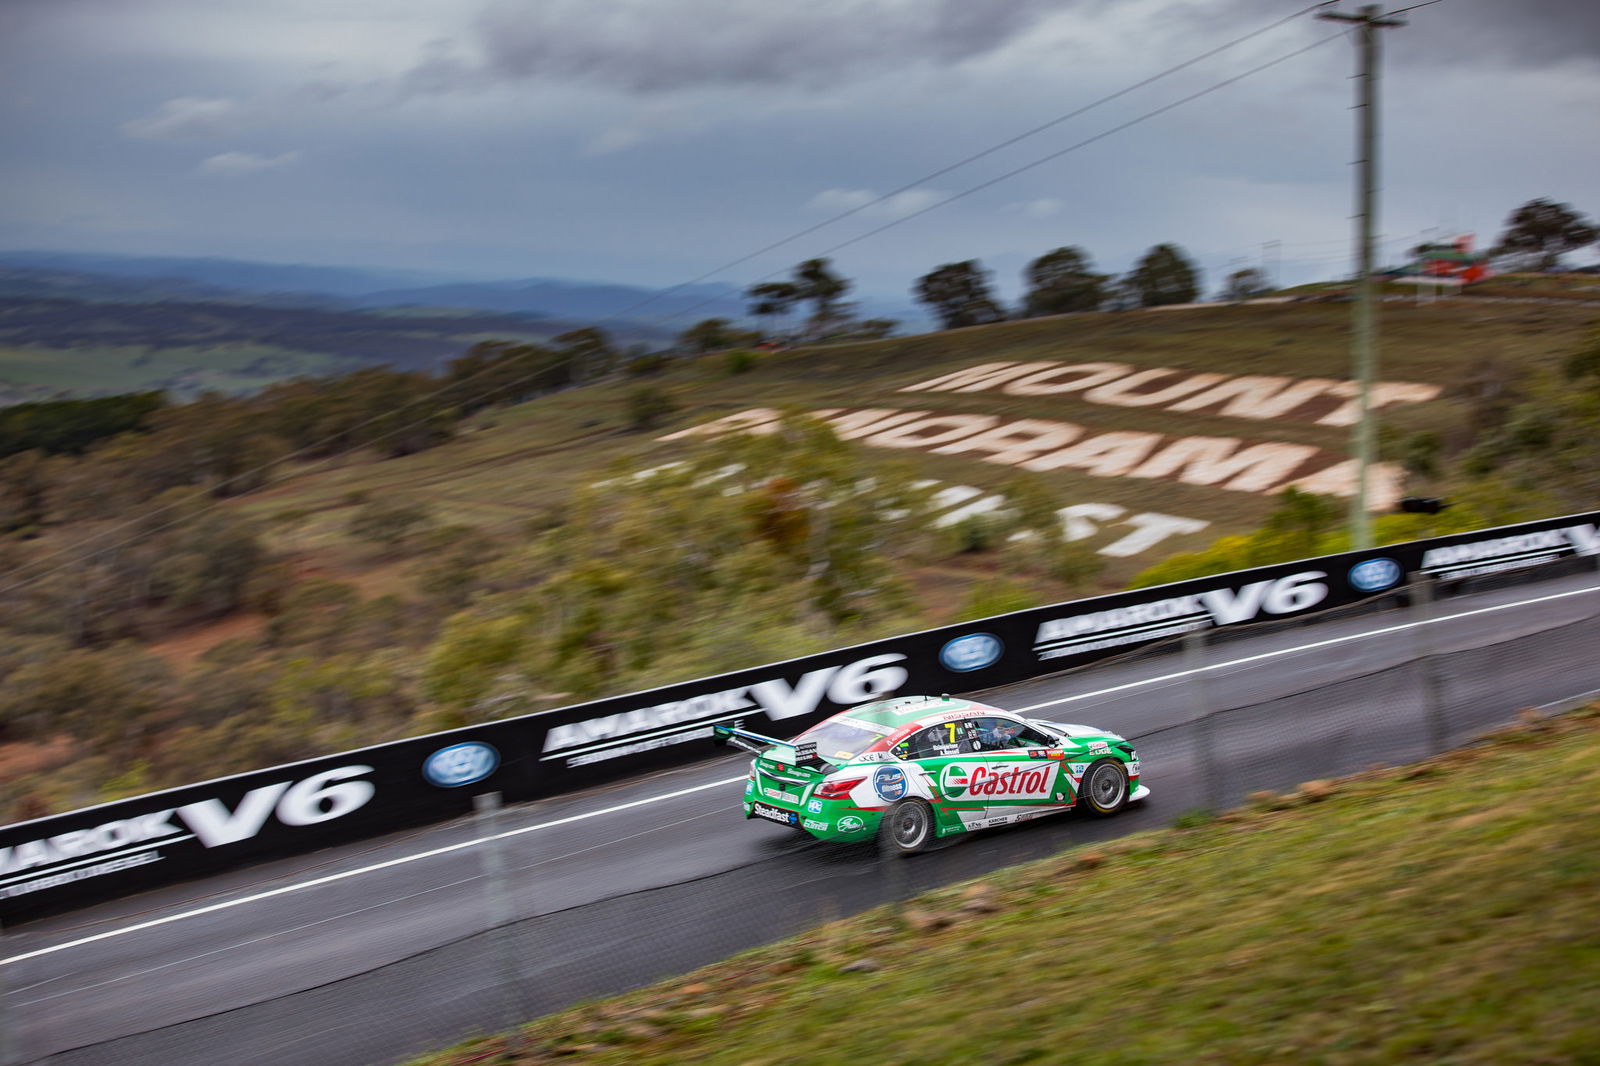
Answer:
(924, 767)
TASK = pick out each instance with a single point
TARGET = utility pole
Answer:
(1364, 338)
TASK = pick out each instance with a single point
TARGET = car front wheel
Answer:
(909, 825)
(1104, 789)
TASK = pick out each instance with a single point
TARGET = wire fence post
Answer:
(1422, 597)
(890, 866)
(9, 1053)
(1194, 661)
(497, 900)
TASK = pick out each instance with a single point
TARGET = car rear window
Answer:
(839, 741)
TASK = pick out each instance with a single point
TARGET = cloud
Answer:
(187, 118)
(650, 46)
(1528, 33)
(230, 164)
(901, 204)
(1044, 207)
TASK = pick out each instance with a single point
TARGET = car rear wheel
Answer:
(909, 825)
(1104, 789)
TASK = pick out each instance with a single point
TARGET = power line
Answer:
(1049, 158)
(908, 186)
(317, 445)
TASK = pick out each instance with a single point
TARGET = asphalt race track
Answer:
(620, 886)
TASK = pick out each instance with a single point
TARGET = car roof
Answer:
(895, 714)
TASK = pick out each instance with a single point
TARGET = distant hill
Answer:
(98, 277)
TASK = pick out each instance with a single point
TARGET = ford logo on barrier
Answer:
(1375, 574)
(890, 783)
(971, 652)
(461, 764)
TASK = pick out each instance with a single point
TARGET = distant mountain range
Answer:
(106, 278)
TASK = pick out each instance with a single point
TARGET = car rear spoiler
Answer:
(788, 751)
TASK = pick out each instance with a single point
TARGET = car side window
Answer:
(936, 741)
(1037, 738)
(1001, 734)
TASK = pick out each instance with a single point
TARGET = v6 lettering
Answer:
(316, 799)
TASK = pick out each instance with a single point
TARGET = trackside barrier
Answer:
(417, 949)
(100, 853)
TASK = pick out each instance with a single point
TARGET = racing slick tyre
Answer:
(1104, 789)
(909, 825)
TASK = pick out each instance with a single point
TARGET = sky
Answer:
(652, 142)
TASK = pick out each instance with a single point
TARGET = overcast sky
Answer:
(651, 141)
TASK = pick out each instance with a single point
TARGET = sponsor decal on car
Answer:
(774, 814)
(461, 764)
(1099, 747)
(1374, 575)
(1133, 768)
(1036, 753)
(812, 823)
(962, 781)
(971, 652)
(1077, 768)
(890, 783)
(814, 806)
(1060, 637)
(851, 824)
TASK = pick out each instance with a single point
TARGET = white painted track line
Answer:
(1165, 678)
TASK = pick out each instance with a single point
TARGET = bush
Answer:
(740, 361)
(647, 407)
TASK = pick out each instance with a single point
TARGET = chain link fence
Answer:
(529, 922)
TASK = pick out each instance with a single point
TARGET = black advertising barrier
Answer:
(88, 856)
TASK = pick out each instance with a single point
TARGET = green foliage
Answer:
(105, 697)
(1063, 281)
(1165, 275)
(647, 407)
(1541, 231)
(57, 427)
(998, 595)
(390, 522)
(976, 533)
(740, 361)
(711, 334)
(959, 294)
(664, 576)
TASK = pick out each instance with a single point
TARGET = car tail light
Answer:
(832, 790)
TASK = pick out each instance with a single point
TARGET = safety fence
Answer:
(531, 908)
(76, 859)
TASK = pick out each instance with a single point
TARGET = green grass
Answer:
(1447, 912)
(513, 462)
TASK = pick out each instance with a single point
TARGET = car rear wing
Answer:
(786, 751)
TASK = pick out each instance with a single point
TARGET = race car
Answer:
(917, 768)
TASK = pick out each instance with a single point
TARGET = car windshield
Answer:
(839, 741)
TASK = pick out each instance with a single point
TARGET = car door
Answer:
(1024, 777)
(944, 753)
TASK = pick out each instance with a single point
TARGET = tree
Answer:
(1245, 284)
(772, 299)
(590, 351)
(824, 290)
(1541, 231)
(709, 334)
(1062, 281)
(813, 282)
(959, 294)
(1165, 276)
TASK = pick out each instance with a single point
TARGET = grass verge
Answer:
(1445, 912)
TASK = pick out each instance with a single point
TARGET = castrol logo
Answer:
(959, 781)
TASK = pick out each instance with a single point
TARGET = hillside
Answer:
(515, 462)
(349, 561)
(1394, 917)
